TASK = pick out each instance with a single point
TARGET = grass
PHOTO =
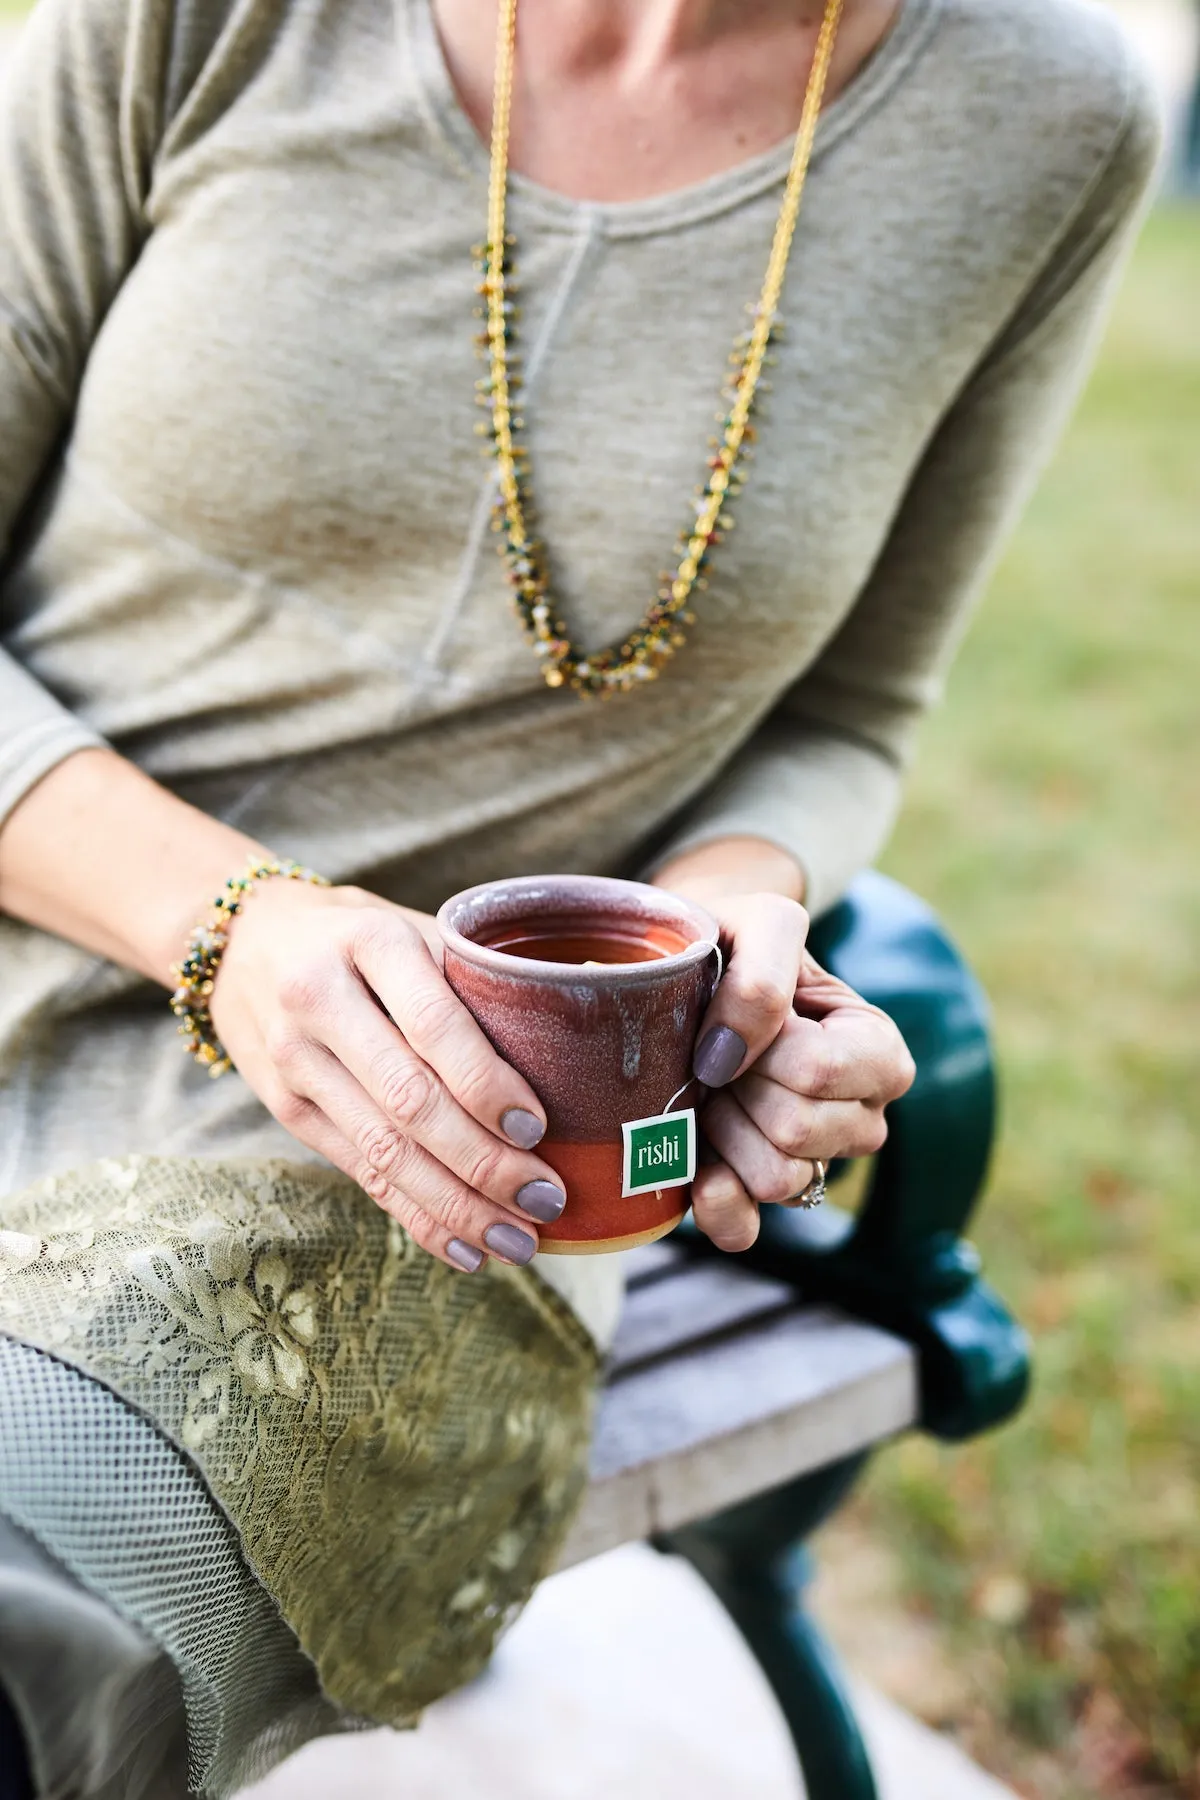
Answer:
(1053, 821)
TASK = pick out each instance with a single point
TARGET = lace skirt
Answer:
(393, 1452)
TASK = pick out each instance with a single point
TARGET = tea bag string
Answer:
(716, 949)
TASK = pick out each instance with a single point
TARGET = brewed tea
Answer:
(583, 941)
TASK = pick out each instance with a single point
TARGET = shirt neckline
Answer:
(680, 206)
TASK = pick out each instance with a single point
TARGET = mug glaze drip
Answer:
(593, 989)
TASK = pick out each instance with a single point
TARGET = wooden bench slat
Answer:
(685, 1307)
(678, 1440)
(786, 1363)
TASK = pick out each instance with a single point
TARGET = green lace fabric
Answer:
(400, 1448)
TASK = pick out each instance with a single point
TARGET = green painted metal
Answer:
(902, 1264)
(749, 1557)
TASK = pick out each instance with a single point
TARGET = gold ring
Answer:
(814, 1193)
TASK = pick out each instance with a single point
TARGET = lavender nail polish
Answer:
(513, 1245)
(719, 1056)
(524, 1129)
(541, 1200)
(464, 1256)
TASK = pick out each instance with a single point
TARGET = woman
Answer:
(249, 609)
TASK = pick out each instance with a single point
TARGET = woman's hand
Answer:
(333, 1006)
(803, 1065)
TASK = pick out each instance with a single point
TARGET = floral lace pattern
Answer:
(400, 1448)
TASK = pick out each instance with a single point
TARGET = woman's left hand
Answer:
(804, 1067)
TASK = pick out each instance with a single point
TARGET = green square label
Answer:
(659, 1152)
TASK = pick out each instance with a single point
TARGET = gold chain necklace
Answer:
(641, 655)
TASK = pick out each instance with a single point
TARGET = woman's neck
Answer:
(640, 35)
(622, 99)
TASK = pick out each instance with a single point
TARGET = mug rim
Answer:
(536, 969)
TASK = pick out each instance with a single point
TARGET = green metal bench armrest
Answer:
(903, 1263)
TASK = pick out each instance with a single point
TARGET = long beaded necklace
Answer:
(662, 631)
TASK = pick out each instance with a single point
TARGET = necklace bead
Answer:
(645, 650)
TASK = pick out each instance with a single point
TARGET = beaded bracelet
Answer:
(197, 972)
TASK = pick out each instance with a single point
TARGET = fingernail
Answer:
(719, 1056)
(466, 1256)
(541, 1200)
(522, 1128)
(515, 1246)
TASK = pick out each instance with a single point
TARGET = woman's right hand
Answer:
(334, 1008)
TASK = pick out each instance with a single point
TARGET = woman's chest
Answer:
(287, 384)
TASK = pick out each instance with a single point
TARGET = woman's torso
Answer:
(263, 569)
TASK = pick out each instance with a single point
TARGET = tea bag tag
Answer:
(660, 1152)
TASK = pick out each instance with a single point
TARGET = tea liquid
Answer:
(589, 940)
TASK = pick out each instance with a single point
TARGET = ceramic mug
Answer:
(593, 989)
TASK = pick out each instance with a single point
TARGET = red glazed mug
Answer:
(593, 989)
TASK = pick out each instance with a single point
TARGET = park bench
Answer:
(744, 1394)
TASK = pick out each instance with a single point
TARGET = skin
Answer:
(820, 1064)
(332, 1001)
(622, 99)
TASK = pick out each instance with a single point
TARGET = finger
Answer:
(754, 999)
(433, 1237)
(305, 1120)
(853, 1053)
(449, 1212)
(414, 1104)
(408, 1173)
(723, 1209)
(765, 1172)
(399, 969)
(799, 1126)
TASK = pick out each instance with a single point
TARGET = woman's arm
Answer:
(803, 1065)
(330, 1001)
(98, 853)
(79, 120)
(820, 778)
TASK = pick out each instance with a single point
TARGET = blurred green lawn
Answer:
(1053, 821)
